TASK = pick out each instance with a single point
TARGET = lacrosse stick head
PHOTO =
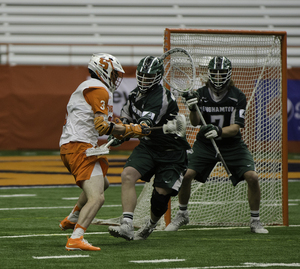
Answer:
(180, 72)
(176, 126)
(102, 150)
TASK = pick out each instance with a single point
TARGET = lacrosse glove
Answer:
(102, 126)
(191, 99)
(134, 131)
(117, 142)
(210, 131)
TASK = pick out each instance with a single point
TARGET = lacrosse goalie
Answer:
(223, 107)
(88, 112)
(161, 154)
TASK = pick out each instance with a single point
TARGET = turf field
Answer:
(30, 236)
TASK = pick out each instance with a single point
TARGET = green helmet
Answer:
(149, 72)
(219, 73)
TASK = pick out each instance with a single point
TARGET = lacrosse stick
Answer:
(179, 69)
(176, 126)
(180, 74)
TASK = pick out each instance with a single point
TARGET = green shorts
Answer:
(203, 159)
(168, 167)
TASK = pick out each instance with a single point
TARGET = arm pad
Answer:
(103, 127)
(134, 131)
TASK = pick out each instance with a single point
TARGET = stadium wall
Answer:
(33, 103)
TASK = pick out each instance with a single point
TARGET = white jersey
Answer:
(79, 126)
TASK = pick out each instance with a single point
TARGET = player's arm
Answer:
(192, 99)
(98, 99)
(231, 130)
(239, 118)
(195, 118)
(118, 129)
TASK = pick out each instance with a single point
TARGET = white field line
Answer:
(17, 195)
(60, 257)
(244, 265)
(159, 261)
(51, 207)
(45, 235)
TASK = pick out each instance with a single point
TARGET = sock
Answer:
(74, 214)
(183, 207)
(128, 216)
(152, 223)
(254, 214)
(78, 231)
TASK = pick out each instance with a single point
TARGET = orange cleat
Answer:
(66, 224)
(80, 244)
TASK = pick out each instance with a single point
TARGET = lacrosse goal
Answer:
(259, 69)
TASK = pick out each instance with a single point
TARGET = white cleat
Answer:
(257, 227)
(125, 230)
(181, 218)
(145, 231)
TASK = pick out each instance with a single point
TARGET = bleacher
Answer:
(67, 32)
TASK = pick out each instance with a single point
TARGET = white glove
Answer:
(211, 134)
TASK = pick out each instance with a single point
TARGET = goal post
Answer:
(258, 69)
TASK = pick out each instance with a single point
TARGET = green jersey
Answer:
(155, 108)
(229, 110)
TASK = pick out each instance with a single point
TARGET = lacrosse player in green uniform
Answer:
(161, 155)
(223, 108)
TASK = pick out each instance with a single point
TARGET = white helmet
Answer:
(108, 69)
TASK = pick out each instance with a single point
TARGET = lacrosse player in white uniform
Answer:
(89, 114)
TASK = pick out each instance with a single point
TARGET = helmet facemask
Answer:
(108, 69)
(149, 73)
(219, 74)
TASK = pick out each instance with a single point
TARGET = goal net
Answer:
(258, 67)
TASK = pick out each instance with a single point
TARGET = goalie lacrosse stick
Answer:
(176, 126)
(180, 74)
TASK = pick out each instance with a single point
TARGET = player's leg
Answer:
(94, 191)
(70, 221)
(129, 177)
(185, 190)
(167, 182)
(138, 166)
(159, 205)
(251, 178)
(182, 215)
(129, 199)
(201, 162)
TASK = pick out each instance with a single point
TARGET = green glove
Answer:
(210, 131)
(117, 142)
